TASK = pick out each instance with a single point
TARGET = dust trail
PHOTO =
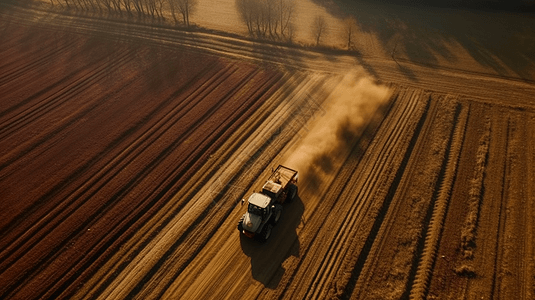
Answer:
(348, 109)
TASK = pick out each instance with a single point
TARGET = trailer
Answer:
(264, 208)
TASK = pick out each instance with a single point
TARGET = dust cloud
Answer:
(353, 103)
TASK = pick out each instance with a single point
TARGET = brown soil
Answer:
(125, 151)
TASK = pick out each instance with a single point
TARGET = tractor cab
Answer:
(257, 215)
(259, 205)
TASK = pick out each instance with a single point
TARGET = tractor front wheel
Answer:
(240, 224)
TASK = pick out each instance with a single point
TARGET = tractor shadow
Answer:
(267, 257)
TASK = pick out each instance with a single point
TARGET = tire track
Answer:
(498, 258)
(335, 249)
(313, 234)
(373, 195)
(450, 115)
(367, 260)
(433, 237)
(513, 255)
(405, 224)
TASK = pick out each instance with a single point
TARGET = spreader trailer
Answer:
(265, 207)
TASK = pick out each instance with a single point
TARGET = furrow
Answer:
(20, 70)
(121, 260)
(55, 100)
(126, 188)
(178, 174)
(118, 163)
(143, 140)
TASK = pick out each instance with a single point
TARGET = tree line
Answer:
(266, 19)
(181, 10)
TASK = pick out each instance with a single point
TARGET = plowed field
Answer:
(125, 151)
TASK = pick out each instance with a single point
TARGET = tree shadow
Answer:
(502, 40)
(267, 257)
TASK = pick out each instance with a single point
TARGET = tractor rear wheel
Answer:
(276, 214)
(266, 232)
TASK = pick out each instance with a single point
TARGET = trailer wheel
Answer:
(292, 192)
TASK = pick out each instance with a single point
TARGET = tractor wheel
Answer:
(240, 224)
(266, 232)
(277, 214)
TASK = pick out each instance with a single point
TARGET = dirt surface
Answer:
(125, 151)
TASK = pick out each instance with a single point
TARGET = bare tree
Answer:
(138, 5)
(186, 9)
(92, 4)
(267, 17)
(286, 11)
(67, 3)
(270, 18)
(245, 9)
(127, 4)
(174, 9)
(150, 7)
(107, 4)
(159, 8)
(319, 27)
(350, 27)
(77, 4)
(116, 5)
(59, 3)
